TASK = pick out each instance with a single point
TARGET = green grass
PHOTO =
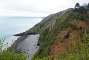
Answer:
(10, 54)
(67, 57)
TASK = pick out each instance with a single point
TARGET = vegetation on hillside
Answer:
(70, 32)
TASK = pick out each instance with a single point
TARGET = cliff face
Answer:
(65, 33)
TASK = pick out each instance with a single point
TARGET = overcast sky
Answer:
(35, 7)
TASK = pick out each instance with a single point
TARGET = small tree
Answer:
(88, 5)
(77, 5)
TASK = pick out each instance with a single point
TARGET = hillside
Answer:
(64, 35)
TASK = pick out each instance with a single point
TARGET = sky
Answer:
(37, 8)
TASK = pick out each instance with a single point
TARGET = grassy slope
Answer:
(48, 36)
(10, 54)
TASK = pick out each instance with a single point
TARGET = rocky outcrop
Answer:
(25, 33)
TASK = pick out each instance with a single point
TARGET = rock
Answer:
(24, 33)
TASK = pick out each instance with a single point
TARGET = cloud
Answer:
(35, 7)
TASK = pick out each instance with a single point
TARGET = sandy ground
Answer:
(29, 45)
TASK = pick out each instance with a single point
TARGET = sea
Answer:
(13, 25)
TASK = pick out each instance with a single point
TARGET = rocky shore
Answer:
(27, 44)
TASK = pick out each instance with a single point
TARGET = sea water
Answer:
(13, 25)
